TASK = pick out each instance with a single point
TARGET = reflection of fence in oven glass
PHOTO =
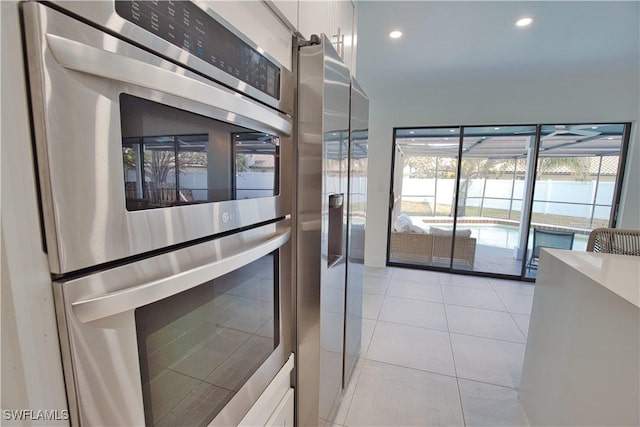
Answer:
(199, 347)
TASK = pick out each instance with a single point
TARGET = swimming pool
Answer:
(505, 236)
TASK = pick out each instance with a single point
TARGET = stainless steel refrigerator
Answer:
(331, 204)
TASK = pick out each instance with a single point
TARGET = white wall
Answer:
(31, 366)
(586, 97)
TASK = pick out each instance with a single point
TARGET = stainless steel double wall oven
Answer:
(164, 153)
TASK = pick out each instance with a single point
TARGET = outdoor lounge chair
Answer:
(432, 249)
(614, 241)
(548, 239)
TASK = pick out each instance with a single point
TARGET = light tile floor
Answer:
(439, 350)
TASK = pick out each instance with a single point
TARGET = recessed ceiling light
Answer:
(452, 130)
(411, 132)
(523, 22)
(395, 34)
(496, 128)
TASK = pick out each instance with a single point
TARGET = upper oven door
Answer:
(136, 154)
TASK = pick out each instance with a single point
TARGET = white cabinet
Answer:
(274, 407)
(259, 23)
(283, 415)
(342, 31)
(314, 17)
(287, 10)
(335, 19)
(270, 23)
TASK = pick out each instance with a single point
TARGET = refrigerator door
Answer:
(356, 220)
(323, 142)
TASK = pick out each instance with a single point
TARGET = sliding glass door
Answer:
(492, 184)
(426, 165)
(575, 188)
(509, 185)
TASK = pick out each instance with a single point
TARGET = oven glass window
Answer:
(173, 157)
(198, 348)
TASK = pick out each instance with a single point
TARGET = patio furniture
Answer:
(614, 241)
(464, 251)
(432, 249)
(410, 247)
(548, 239)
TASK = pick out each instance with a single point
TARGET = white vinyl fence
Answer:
(568, 198)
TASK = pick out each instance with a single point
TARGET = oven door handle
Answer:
(117, 302)
(81, 57)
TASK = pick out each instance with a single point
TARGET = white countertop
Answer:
(583, 346)
(618, 273)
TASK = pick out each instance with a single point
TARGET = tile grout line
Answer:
(415, 299)
(489, 338)
(355, 388)
(466, 411)
(453, 357)
(476, 307)
(418, 369)
(499, 299)
(525, 335)
(509, 291)
(448, 331)
(441, 374)
(491, 384)
(364, 358)
(514, 320)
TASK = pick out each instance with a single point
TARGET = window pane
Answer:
(575, 179)
(257, 157)
(488, 227)
(426, 165)
(174, 157)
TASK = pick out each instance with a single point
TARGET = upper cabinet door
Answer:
(314, 17)
(287, 10)
(333, 18)
(342, 31)
(256, 21)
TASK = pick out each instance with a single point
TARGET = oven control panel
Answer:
(185, 25)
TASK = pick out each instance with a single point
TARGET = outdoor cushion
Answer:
(461, 232)
(403, 223)
(416, 229)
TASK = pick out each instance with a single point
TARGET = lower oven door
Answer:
(191, 337)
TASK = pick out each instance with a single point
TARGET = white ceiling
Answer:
(478, 39)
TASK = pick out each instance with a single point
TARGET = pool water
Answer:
(505, 236)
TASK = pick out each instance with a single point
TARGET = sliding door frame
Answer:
(528, 198)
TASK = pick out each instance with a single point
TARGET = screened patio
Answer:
(505, 181)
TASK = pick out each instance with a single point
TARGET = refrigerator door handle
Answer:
(336, 229)
(336, 200)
